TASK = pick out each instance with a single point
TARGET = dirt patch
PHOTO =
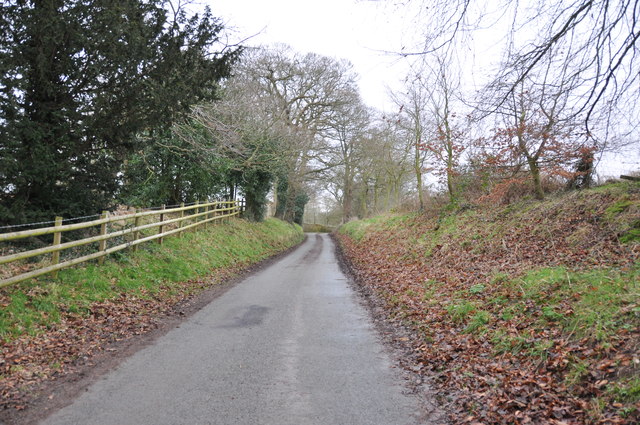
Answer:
(33, 403)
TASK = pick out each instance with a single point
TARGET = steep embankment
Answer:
(527, 313)
(53, 328)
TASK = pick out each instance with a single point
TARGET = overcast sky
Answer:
(364, 32)
(357, 30)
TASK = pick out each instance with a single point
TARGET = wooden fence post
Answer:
(103, 231)
(196, 211)
(224, 213)
(136, 234)
(206, 216)
(180, 223)
(57, 239)
(201, 209)
(161, 227)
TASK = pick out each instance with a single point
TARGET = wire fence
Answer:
(31, 253)
(42, 223)
(85, 217)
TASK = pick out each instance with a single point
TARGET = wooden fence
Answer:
(128, 226)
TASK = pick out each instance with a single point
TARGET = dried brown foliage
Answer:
(421, 272)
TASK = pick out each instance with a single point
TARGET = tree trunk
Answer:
(375, 196)
(387, 201)
(347, 197)
(289, 212)
(449, 150)
(535, 175)
(275, 197)
(418, 170)
(532, 160)
(452, 196)
(363, 202)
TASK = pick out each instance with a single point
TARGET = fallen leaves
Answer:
(501, 357)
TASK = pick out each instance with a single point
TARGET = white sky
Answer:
(356, 30)
(361, 31)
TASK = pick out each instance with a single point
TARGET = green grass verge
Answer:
(592, 304)
(317, 228)
(31, 307)
(591, 307)
(358, 229)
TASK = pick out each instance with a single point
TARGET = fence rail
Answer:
(199, 214)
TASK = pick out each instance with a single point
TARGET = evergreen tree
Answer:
(79, 81)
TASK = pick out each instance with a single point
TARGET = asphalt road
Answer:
(288, 345)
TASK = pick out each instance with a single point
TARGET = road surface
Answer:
(288, 345)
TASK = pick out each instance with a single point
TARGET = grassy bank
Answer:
(526, 313)
(155, 270)
(48, 325)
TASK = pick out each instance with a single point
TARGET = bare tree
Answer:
(302, 92)
(411, 120)
(348, 130)
(593, 42)
(537, 132)
(389, 166)
(445, 141)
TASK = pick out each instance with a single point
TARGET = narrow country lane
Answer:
(289, 345)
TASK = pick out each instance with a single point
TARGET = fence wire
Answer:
(94, 216)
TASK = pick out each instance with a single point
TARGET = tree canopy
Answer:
(138, 102)
(80, 83)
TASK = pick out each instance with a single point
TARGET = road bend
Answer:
(288, 345)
